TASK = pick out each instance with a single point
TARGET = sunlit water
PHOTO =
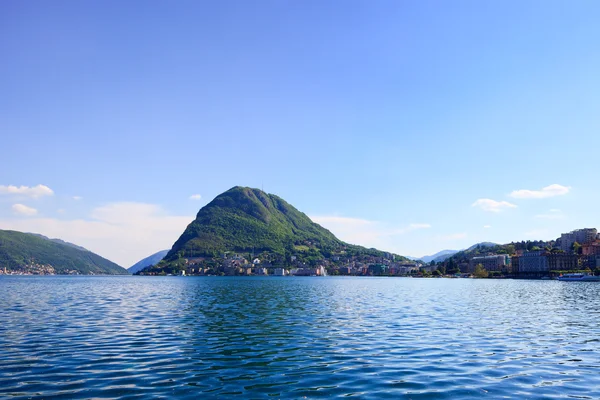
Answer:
(187, 337)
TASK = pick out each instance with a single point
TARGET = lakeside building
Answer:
(564, 262)
(495, 262)
(592, 261)
(581, 236)
(533, 264)
(318, 271)
(591, 249)
(378, 269)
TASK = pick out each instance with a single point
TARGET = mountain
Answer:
(245, 220)
(439, 256)
(443, 255)
(32, 253)
(249, 221)
(149, 261)
(483, 245)
(61, 242)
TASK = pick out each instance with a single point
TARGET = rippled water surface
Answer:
(209, 337)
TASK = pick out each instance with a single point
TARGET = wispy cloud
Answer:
(123, 232)
(551, 215)
(548, 191)
(366, 232)
(490, 205)
(487, 226)
(195, 197)
(77, 198)
(21, 209)
(33, 192)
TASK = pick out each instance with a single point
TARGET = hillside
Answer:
(486, 248)
(61, 242)
(249, 221)
(148, 261)
(27, 252)
(439, 256)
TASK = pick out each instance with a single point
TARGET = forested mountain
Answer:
(32, 253)
(250, 221)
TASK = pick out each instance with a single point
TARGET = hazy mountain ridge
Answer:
(443, 255)
(149, 261)
(60, 241)
(32, 253)
(439, 256)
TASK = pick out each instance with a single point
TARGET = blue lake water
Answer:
(211, 337)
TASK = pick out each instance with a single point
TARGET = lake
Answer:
(267, 337)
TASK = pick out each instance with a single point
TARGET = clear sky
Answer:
(410, 126)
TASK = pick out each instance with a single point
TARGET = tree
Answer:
(577, 248)
(480, 272)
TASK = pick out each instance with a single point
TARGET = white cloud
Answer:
(365, 232)
(548, 191)
(21, 209)
(122, 232)
(77, 198)
(493, 205)
(195, 197)
(34, 191)
(487, 226)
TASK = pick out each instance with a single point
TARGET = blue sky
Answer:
(403, 125)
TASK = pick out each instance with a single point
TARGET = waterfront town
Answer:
(578, 250)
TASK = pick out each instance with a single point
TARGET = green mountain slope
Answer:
(250, 221)
(27, 252)
(244, 219)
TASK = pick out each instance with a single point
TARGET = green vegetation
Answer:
(22, 251)
(481, 250)
(251, 222)
(480, 272)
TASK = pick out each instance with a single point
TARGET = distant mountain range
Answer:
(439, 256)
(445, 254)
(37, 254)
(149, 261)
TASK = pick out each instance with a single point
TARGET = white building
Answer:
(581, 236)
(497, 262)
(533, 262)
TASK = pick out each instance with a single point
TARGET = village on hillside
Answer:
(578, 250)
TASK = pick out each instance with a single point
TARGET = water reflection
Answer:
(297, 337)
